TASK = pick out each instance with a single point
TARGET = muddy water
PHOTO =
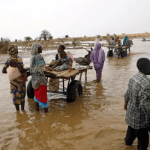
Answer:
(95, 121)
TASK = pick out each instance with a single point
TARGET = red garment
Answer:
(117, 40)
(41, 93)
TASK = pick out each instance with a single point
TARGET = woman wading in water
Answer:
(39, 81)
(98, 57)
(17, 79)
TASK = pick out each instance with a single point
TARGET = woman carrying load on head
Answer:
(39, 81)
(125, 40)
(17, 80)
(98, 57)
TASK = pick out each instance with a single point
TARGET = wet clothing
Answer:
(141, 134)
(41, 96)
(17, 86)
(138, 98)
(19, 95)
(98, 57)
(39, 81)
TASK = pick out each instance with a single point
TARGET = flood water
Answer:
(95, 121)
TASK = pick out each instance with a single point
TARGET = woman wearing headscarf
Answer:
(98, 57)
(17, 85)
(39, 81)
(125, 40)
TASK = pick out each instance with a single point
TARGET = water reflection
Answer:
(96, 120)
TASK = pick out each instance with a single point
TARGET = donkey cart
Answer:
(55, 78)
(120, 50)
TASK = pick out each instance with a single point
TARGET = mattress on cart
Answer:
(66, 73)
(63, 73)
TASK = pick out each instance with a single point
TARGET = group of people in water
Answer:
(137, 97)
(115, 41)
(17, 74)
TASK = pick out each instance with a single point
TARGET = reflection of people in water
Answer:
(99, 90)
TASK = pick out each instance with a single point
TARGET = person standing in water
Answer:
(39, 81)
(97, 40)
(98, 57)
(17, 84)
(137, 106)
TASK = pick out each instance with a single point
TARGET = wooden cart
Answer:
(74, 87)
(119, 49)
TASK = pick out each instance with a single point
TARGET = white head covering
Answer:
(34, 48)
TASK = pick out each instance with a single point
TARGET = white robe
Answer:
(96, 41)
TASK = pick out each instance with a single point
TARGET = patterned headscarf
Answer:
(34, 48)
(13, 51)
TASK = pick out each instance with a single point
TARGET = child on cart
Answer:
(63, 63)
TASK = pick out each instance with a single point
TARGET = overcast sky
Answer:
(76, 18)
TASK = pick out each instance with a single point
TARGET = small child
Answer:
(16, 71)
(63, 63)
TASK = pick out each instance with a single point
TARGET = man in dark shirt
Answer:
(60, 49)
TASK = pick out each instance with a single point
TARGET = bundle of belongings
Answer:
(65, 61)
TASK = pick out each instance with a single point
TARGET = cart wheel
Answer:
(110, 53)
(74, 90)
(30, 91)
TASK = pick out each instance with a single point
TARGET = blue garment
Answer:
(43, 105)
(37, 68)
(125, 40)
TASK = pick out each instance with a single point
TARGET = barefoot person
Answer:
(98, 57)
(39, 81)
(137, 104)
(17, 80)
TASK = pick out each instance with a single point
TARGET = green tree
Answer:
(66, 36)
(28, 38)
(45, 34)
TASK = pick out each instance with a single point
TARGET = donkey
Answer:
(84, 60)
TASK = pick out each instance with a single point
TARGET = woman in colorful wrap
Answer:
(39, 81)
(17, 84)
(98, 57)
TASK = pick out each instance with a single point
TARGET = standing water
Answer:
(95, 121)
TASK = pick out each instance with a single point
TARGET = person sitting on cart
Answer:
(113, 43)
(60, 49)
(118, 41)
(63, 62)
(125, 40)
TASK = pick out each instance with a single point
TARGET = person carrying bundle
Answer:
(17, 76)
